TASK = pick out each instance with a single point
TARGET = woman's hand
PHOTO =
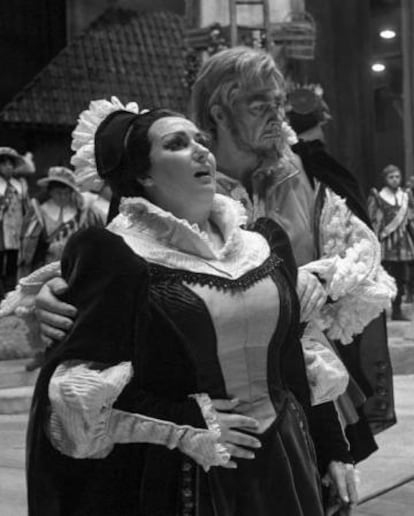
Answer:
(312, 295)
(238, 444)
(55, 317)
(342, 480)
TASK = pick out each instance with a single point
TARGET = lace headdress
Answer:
(83, 139)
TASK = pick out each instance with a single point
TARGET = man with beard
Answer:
(238, 98)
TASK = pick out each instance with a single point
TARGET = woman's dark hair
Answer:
(122, 149)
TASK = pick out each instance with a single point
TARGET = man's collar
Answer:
(281, 170)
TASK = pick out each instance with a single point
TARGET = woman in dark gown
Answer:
(181, 387)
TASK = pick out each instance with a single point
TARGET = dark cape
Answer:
(367, 358)
(320, 165)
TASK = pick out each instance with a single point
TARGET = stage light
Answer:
(387, 34)
(378, 67)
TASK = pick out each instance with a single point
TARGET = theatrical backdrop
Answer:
(57, 55)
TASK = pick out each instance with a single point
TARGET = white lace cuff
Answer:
(84, 424)
(210, 417)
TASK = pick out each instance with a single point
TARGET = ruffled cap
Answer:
(110, 141)
(83, 139)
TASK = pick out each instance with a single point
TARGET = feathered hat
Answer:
(305, 107)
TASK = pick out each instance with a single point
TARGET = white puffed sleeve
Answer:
(327, 375)
(83, 423)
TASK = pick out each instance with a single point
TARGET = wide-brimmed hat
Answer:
(17, 159)
(59, 175)
(23, 165)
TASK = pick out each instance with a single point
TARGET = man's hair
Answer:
(224, 75)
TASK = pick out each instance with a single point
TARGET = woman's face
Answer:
(182, 168)
(61, 195)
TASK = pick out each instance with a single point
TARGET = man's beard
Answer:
(273, 151)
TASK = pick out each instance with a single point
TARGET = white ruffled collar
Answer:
(392, 197)
(140, 215)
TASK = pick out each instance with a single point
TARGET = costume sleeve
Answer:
(108, 284)
(351, 268)
(328, 436)
(83, 422)
(327, 375)
(327, 379)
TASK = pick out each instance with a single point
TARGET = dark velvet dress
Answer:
(161, 319)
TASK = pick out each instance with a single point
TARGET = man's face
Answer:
(393, 179)
(255, 120)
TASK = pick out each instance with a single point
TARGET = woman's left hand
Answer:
(342, 480)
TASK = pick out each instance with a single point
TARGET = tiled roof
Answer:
(135, 57)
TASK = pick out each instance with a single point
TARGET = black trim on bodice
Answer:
(161, 273)
(281, 254)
